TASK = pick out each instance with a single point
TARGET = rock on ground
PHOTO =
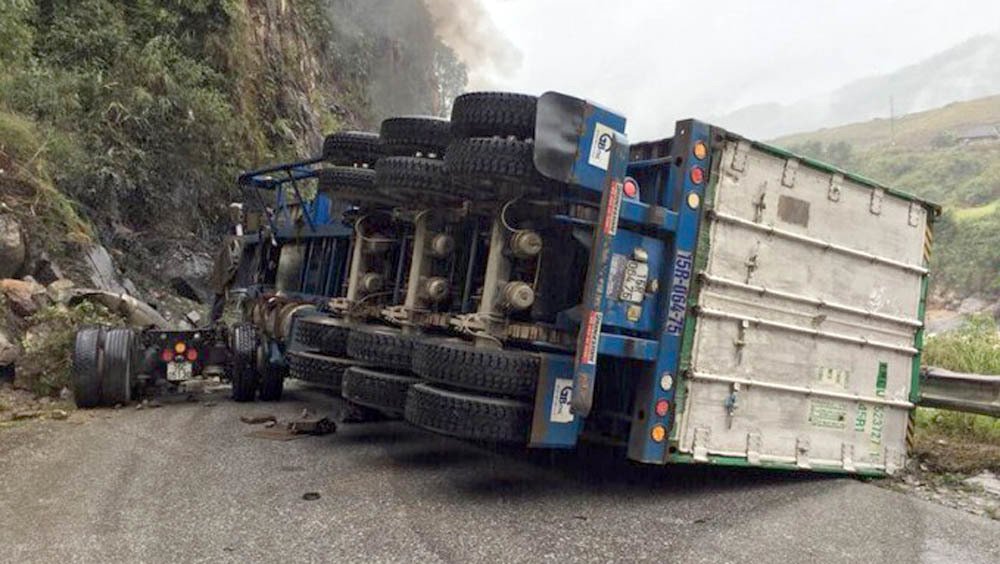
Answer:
(13, 252)
(23, 296)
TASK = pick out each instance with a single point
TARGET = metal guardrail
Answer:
(957, 391)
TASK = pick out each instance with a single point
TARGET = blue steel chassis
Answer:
(665, 223)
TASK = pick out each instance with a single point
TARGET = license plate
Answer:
(178, 371)
(634, 281)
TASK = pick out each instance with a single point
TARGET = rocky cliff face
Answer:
(123, 126)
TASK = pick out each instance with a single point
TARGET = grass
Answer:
(978, 212)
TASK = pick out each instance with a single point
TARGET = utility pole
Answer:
(892, 121)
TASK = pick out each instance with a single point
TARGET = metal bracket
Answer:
(788, 176)
(754, 445)
(847, 457)
(836, 184)
(701, 437)
(916, 214)
(878, 194)
(802, 452)
(740, 155)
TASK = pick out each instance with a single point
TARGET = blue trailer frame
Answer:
(659, 223)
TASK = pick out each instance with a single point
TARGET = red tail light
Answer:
(662, 407)
(192, 355)
(167, 355)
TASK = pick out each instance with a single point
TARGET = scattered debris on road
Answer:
(306, 424)
(257, 419)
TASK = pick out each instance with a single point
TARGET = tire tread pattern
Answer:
(86, 379)
(317, 369)
(244, 355)
(488, 114)
(351, 147)
(383, 347)
(461, 365)
(468, 416)
(406, 136)
(377, 390)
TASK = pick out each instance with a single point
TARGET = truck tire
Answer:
(410, 136)
(272, 382)
(377, 390)
(321, 333)
(468, 416)
(486, 162)
(489, 114)
(384, 347)
(86, 367)
(244, 362)
(351, 148)
(346, 181)
(119, 357)
(413, 178)
(459, 364)
(318, 369)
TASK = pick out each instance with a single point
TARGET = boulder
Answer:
(24, 297)
(972, 304)
(188, 274)
(13, 251)
(9, 349)
(46, 271)
(60, 291)
(101, 269)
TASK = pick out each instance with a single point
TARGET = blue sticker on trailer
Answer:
(553, 423)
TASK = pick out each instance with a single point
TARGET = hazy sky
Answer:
(659, 60)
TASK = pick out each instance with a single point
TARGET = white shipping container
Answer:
(809, 317)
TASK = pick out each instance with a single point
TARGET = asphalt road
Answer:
(185, 483)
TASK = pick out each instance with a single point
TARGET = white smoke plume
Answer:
(466, 27)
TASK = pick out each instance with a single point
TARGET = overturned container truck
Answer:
(524, 273)
(698, 298)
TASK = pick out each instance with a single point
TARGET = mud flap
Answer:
(553, 425)
(573, 139)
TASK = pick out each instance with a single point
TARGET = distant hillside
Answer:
(963, 72)
(913, 130)
(930, 156)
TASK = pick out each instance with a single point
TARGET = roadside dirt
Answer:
(20, 405)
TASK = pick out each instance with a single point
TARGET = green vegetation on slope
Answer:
(927, 161)
(142, 112)
(916, 130)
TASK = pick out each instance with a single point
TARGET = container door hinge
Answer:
(916, 214)
(739, 163)
(876, 204)
(731, 404)
(847, 457)
(741, 340)
(751, 263)
(802, 452)
(754, 444)
(836, 183)
(701, 436)
(791, 169)
(759, 204)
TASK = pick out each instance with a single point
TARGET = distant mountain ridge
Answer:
(963, 72)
